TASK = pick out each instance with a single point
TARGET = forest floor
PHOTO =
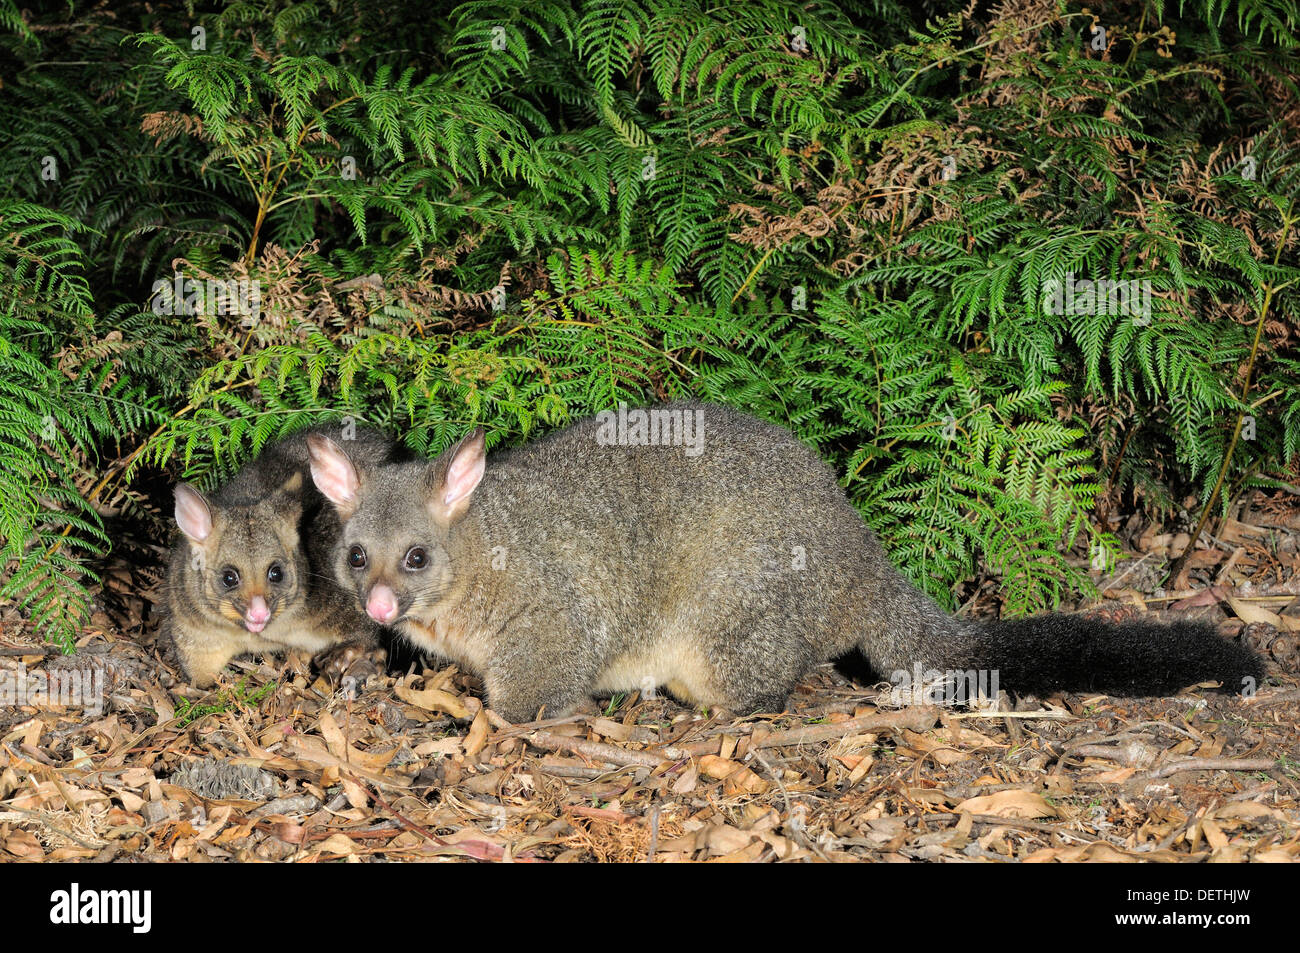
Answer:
(278, 763)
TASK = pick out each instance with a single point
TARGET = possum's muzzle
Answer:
(257, 614)
(381, 605)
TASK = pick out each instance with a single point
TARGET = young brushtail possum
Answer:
(722, 563)
(253, 568)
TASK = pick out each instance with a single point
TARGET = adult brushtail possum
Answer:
(692, 547)
(253, 567)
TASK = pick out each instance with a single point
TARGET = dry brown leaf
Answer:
(449, 745)
(431, 699)
(1249, 611)
(611, 729)
(1118, 776)
(1247, 810)
(743, 781)
(1025, 804)
(478, 733)
(216, 821)
(713, 766)
(722, 839)
(861, 770)
(355, 793)
(334, 739)
(24, 845)
(687, 782)
(735, 777)
(1278, 855)
(1095, 853)
(1214, 835)
(746, 855)
(338, 844)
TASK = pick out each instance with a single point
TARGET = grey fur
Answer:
(268, 513)
(722, 572)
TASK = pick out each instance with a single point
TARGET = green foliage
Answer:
(241, 698)
(845, 217)
(50, 422)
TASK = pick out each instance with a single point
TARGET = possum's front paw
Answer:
(201, 668)
(350, 660)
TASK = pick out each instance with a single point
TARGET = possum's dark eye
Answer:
(230, 577)
(416, 558)
(357, 557)
(275, 573)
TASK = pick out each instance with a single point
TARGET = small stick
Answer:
(1275, 697)
(1050, 715)
(1022, 823)
(654, 834)
(917, 719)
(401, 818)
(1212, 764)
(514, 731)
(597, 750)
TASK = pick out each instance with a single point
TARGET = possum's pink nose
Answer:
(258, 613)
(381, 605)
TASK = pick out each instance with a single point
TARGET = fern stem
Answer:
(1119, 458)
(753, 273)
(1176, 567)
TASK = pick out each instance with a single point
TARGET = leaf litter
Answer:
(281, 763)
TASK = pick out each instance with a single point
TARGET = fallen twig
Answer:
(597, 750)
(917, 719)
(1212, 764)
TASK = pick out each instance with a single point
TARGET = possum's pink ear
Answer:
(193, 515)
(333, 474)
(455, 476)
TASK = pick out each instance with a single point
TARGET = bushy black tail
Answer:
(1074, 653)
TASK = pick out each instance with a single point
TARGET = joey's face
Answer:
(251, 585)
(246, 559)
